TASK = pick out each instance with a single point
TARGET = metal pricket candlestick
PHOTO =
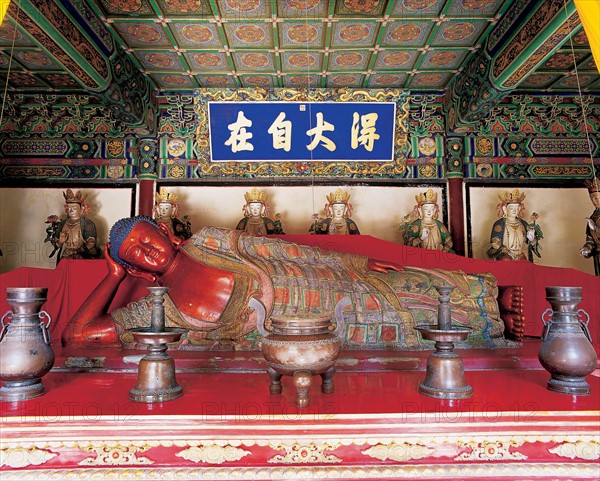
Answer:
(156, 371)
(445, 373)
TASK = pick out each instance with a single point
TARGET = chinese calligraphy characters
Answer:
(363, 133)
(238, 140)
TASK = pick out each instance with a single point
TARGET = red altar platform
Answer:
(374, 426)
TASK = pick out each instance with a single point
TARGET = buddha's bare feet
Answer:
(510, 302)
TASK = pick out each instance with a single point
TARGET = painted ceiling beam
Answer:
(527, 36)
(61, 29)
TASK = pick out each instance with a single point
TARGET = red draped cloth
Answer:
(72, 281)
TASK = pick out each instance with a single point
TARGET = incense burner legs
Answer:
(301, 348)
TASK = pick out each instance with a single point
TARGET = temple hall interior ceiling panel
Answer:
(187, 39)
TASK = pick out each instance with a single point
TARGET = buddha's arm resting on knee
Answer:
(92, 325)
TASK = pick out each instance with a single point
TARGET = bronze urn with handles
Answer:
(566, 351)
(25, 344)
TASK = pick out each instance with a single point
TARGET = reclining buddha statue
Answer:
(222, 282)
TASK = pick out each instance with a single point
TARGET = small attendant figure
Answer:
(338, 211)
(426, 231)
(74, 237)
(591, 248)
(166, 209)
(255, 221)
(512, 238)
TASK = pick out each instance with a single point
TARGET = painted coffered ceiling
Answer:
(77, 47)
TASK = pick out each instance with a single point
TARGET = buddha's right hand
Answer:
(115, 269)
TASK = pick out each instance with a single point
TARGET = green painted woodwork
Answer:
(83, 78)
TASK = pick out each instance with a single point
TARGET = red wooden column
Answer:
(146, 201)
(457, 219)
(454, 164)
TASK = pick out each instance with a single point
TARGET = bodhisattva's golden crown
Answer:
(255, 195)
(165, 196)
(428, 197)
(77, 198)
(338, 197)
(514, 197)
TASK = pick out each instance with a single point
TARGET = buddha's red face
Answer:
(146, 248)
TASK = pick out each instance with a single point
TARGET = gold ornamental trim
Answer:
(398, 451)
(22, 457)
(304, 453)
(115, 148)
(213, 454)
(582, 450)
(443, 471)
(484, 146)
(561, 170)
(490, 451)
(117, 454)
(141, 443)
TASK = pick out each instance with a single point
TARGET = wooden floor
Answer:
(374, 426)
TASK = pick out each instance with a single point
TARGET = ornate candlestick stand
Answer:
(445, 373)
(156, 371)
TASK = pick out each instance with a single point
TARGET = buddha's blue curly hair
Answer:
(120, 230)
